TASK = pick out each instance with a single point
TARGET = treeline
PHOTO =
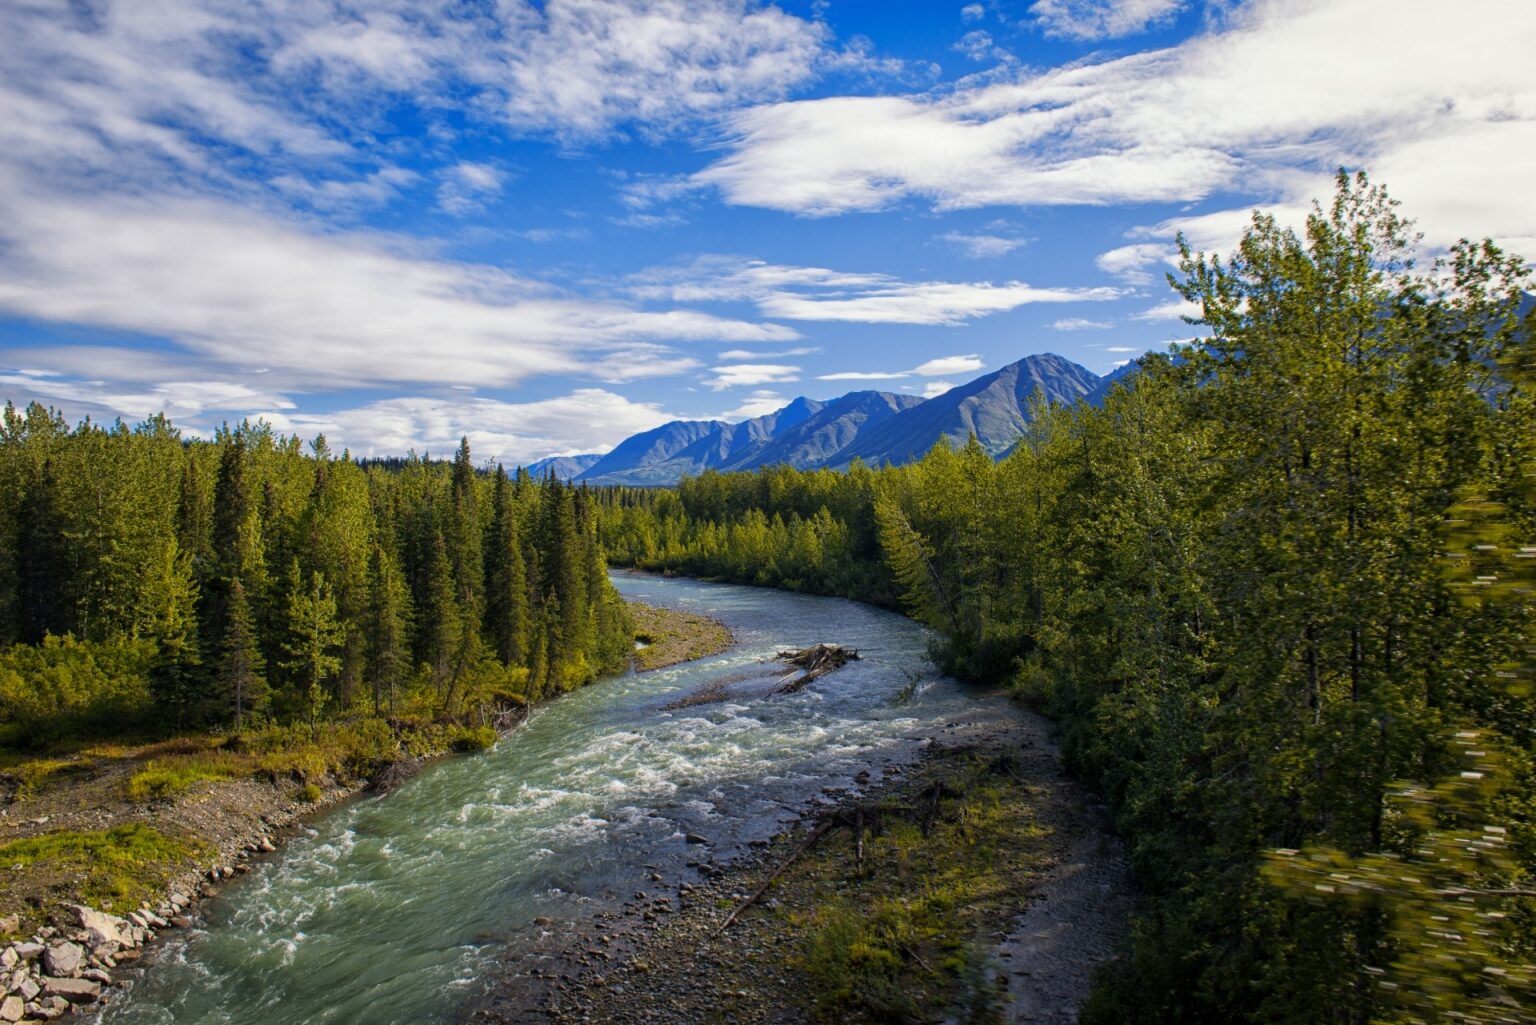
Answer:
(1278, 593)
(150, 581)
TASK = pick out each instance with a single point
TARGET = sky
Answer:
(548, 226)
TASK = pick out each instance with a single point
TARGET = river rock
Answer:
(27, 951)
(9, 958)
(102, 929)
(695, 838)
(27, 988)
(10, 923)
(63, 958)
(76, 991)
(12, 1009)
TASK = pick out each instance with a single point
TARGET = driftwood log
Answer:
(816, 661)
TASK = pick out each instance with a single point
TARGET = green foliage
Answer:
(69, 688)
(1229, 584)
(310, 793)
(473, 738)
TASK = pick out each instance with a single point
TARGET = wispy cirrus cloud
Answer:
(1102, 19)
(820, 294)
(743, 374)
(1080, 324)
(1161, 125)
(937, 367)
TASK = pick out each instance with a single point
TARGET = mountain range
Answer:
(874, 426)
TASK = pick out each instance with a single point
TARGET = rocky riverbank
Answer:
(77, 845)
(979, 881)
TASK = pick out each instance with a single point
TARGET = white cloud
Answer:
(760, 404)
(737, 355)
(950, 365)
(586, 420)
(1080, 324)
(980, 247)
(933, 388)
(1122, 348)
(972, 12)
(743, 374)
(976, 45)
(236, 289)
(932, 368)
(1130, 263)
(865, 375)
(819, 294)
(1270, 102)
(1173, 309)
(466, 185)
(1102, 19)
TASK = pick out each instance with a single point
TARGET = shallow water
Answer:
(390, 910)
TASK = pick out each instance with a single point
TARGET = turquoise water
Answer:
(389, 910)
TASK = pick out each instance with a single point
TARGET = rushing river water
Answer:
(390, 910)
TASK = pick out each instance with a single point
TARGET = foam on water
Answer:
(384, 907)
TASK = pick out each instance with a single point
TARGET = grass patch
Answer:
(668, 636)
(898, 942)
(159, 781)
(117, 867)
(30, 775)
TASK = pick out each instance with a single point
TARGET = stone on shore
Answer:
(76, 991)
(63, 958)
(12, 1009)
(103, 929)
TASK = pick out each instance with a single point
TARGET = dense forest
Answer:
(1277, 592)
(150, 583)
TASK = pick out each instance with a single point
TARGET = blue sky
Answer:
(550, 225)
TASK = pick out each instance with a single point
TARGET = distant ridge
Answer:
(877, 427)
(563, 467)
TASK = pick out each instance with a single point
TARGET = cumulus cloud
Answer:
(933, 388)
(819, 294)
(1173, 309)
(1132, 263)
(1102, 19)
(1271, 102)
(586, 420)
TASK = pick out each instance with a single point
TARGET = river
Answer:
(391, 910)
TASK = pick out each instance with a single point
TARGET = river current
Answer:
(390, 910)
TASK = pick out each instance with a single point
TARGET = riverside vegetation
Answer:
(1276, 591)
(178, 613)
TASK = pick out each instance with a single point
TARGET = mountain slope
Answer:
(991, 407)
(821, 436)
(563, 467)
(665, 454)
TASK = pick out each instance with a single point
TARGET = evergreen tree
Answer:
(242, 670)
(314, 634)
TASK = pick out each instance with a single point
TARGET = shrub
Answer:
(473, 738)
(309, 793)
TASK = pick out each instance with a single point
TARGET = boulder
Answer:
(101, 928)
(10, 923)
(27, 988)
(63, 958)
(9, 958)
(12, 1009)
(28, 951)
(76, 991)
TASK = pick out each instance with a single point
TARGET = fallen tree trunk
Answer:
(816, 661)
